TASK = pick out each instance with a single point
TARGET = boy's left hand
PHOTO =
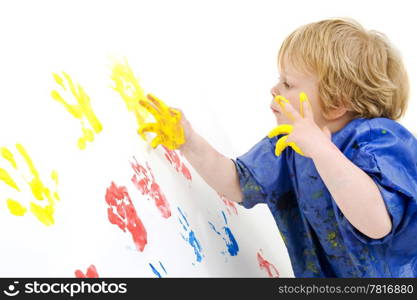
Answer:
(304, 135)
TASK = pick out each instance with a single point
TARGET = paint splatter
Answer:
(175, 160)
(122, 213)
(91, 273)
(156, 272)
(44, 213)
(145, 181)
(167, 127)
(228, 237)
(82, 110)
(230, 205)
(267, 266)
(190, 236)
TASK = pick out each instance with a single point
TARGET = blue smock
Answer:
(321, 242)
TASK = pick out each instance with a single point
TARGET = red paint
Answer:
(230, 205)
(175, 160)
(145, 181)
(267, 266)
(91, 273)
(122, 213)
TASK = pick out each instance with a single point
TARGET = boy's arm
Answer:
(217, 170)
(355, 193)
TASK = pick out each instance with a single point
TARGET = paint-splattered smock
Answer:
(320, 240)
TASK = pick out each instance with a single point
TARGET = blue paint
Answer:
(232, 245)
(228, 238)
(162, 266)
(191, 239)
(224, 216)
(185, 219)
(155, 271)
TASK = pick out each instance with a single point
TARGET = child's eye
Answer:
(286, 85)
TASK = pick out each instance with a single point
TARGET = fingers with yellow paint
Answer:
(281, 129)
(167, 127)
(286, 128)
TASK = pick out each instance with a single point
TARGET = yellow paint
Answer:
(8, 156)
(5, 177)
(16, 208)
(82, 110)
(286, 128)
(167, 127)
(39, 190)
(127, 85)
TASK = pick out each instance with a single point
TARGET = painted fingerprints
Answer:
(228, 237)
(145, 182)
(190, 237)
(91, 273)
(156, 272)
(230, 205)
(271, 270)
(127, 86)
(122, 213)
(45, 212)
(175, 161)
(81, 110)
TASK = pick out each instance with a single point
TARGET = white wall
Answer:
(216, 60)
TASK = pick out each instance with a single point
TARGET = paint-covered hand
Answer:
(168, 126)
(303, 134)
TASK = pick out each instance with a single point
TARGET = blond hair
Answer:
(357, 69)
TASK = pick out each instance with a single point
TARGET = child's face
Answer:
(290, 85)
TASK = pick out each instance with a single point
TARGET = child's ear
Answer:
(336, 113)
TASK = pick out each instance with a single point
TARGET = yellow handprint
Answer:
(82, 110)
(286, 128)
(168, 120)
(38, 189)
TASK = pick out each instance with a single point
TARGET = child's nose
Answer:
(274, 91)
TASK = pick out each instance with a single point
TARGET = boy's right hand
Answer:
(171, 128)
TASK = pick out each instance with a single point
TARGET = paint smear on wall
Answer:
(44, 213)
(228, 237)
(145, 181)
(152, 114)
(127, 85)
(81, 110)
(175, 161)
(189, 236)
(122, 213)
(156, 272)
(91, 273)
(271, 270)
(230, 205)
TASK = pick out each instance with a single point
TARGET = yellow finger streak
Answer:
(282, 101)
(8, 156)
(5, 177)
(295, 148)
(281, 145)
(281, 129)
(16, 208)
(303, 98)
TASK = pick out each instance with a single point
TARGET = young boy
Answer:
(346, 200)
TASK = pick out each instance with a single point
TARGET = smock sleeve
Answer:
(261, 172)
(388, 154)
